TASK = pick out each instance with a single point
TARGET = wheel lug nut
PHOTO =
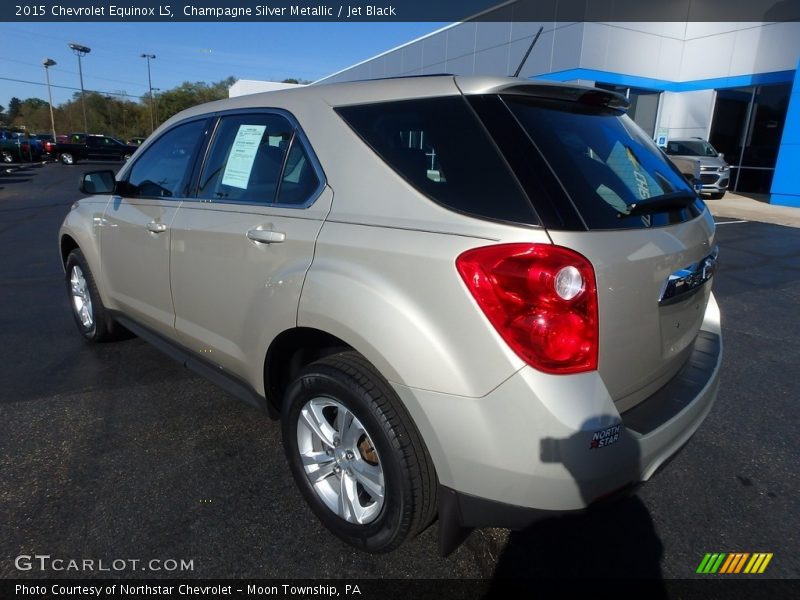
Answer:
(349, 455)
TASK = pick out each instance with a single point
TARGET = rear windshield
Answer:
(439, 147)
(604, 161)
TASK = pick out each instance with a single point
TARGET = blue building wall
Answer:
(786, 181)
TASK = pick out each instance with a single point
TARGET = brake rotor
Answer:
(367, 450)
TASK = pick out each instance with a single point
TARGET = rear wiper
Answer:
(673, 201)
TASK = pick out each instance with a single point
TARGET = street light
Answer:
(150, 87)
(81, 51)
(155, 103)
(47, 63)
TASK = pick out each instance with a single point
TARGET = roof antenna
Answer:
(528, 53)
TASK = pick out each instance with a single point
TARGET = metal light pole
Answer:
(155, 104)
(47, 63)
(150, 87)
(81, 51)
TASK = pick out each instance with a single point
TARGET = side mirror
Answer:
(98, 182)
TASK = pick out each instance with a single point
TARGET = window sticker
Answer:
(242, 156)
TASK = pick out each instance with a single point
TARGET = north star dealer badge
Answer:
(605, 437)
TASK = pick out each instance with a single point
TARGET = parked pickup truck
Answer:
(81, 146)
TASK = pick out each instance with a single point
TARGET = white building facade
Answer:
(734, 84)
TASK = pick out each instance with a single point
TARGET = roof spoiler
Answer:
(584, 95)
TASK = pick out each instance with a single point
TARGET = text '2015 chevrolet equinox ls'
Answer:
(485, 299)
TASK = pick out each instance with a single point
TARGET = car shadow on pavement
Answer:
(610, 542)
(612, 539)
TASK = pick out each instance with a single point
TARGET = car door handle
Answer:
(154, 227)
(266, 236)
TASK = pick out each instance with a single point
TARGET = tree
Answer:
(111, 114)
(187, 95)
(14, 106)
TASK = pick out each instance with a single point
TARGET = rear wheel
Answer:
(356, 455)
(91, 317)
(67, 158)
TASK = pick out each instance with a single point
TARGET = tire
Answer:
(372, 446)
(67, 158)
(716, 195)
(91, 317)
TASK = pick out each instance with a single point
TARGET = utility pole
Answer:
(47, 63)
(150, 87)
(81, 51)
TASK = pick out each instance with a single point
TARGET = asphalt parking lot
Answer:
(115, 452)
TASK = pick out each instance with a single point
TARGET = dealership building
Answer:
(734, 84)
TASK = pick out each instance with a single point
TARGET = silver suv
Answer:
(715, 173)
(486, 299)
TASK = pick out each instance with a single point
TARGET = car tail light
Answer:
(541, 299)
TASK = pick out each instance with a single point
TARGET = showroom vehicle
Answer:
(482, 299)
(715, 173)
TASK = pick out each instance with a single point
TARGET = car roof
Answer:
(401, 88)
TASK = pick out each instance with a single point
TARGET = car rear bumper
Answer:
(541, 443)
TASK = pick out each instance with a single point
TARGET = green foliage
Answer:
(114, 115)
(14, 106)
(190, 94)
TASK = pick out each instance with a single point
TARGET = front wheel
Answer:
(356, 455)
(67, 159)
(91, 317)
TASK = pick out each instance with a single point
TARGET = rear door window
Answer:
(246, 160)
(439, 147)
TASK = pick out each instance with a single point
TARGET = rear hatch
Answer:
(602, 187)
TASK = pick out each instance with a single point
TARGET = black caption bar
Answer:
(398, 10)
(394, 589)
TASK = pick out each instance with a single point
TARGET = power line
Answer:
(66, 87)
(68, 72)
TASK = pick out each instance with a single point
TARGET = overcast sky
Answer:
(185, 52)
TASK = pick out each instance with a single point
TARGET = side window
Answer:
(438, 146)
(246, 159)
(299, 179)
(162, 171)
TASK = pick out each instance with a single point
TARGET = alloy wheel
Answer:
(340, 460)
(81, 299)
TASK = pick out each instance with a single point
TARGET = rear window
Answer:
(441, 149)
(604, 161)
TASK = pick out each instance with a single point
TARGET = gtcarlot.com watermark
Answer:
(48, 563)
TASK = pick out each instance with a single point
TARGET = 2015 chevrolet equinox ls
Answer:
(482, 298)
